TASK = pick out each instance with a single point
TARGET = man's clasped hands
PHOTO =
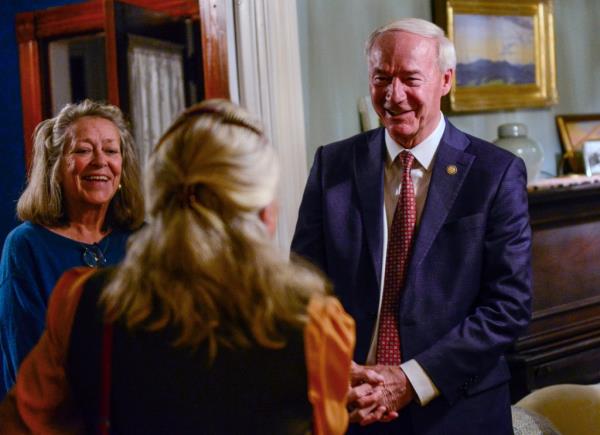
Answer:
(377, 393)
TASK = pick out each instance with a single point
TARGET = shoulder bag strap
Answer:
(104, 417)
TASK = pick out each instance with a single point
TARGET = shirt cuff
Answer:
(422, 384)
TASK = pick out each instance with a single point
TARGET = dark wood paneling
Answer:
(35, 29)
(562, 343)
(213, 22)
(88, 17)
(112, 68)
(175, 8)
(31, 94)
(65, 21)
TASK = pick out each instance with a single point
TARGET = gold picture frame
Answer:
(505, 53)
(574, 131)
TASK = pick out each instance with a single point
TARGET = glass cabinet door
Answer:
(151, 58)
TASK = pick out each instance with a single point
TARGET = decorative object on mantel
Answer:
(591, 157)
(572, 181)
(574, 131)
(565, 163)
(513, 137)
(505, 53)
(368, 117)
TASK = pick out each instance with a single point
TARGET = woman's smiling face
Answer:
(91, 163)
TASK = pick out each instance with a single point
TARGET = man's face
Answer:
(407, 85)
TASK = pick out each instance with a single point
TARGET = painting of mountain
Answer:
(494, 50)
(487, 72)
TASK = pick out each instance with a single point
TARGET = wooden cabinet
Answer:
(562, 343)
(114, 21)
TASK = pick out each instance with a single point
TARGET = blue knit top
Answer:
(33, 259)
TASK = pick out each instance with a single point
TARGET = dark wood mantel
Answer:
(562, 343)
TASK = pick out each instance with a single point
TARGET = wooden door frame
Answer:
(98, 15)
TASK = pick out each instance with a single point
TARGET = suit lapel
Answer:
(443, 190)
(368, 170)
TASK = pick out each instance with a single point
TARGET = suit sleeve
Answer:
(308, 240)
(462, 359)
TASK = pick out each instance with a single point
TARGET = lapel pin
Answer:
(451, 169)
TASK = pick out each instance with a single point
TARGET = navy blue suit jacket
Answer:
(467, 292)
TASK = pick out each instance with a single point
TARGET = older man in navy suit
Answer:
(424, 231)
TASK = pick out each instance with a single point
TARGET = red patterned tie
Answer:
(398, 250)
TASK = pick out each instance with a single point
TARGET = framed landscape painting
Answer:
(505, 53)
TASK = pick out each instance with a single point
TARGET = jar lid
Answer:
(512, 129)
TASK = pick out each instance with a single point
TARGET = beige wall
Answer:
(332, 34)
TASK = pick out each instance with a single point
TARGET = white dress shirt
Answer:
(420, 173)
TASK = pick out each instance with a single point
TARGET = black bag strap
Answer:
(104, 416)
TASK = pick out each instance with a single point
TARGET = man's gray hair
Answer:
(446, 50)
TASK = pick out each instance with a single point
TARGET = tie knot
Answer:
(407, 160)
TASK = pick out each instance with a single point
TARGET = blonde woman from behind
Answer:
(205, 327)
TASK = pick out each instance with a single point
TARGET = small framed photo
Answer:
(591, 157)
(574, 131)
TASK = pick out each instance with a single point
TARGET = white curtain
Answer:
(156, 90)
(268, 60)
